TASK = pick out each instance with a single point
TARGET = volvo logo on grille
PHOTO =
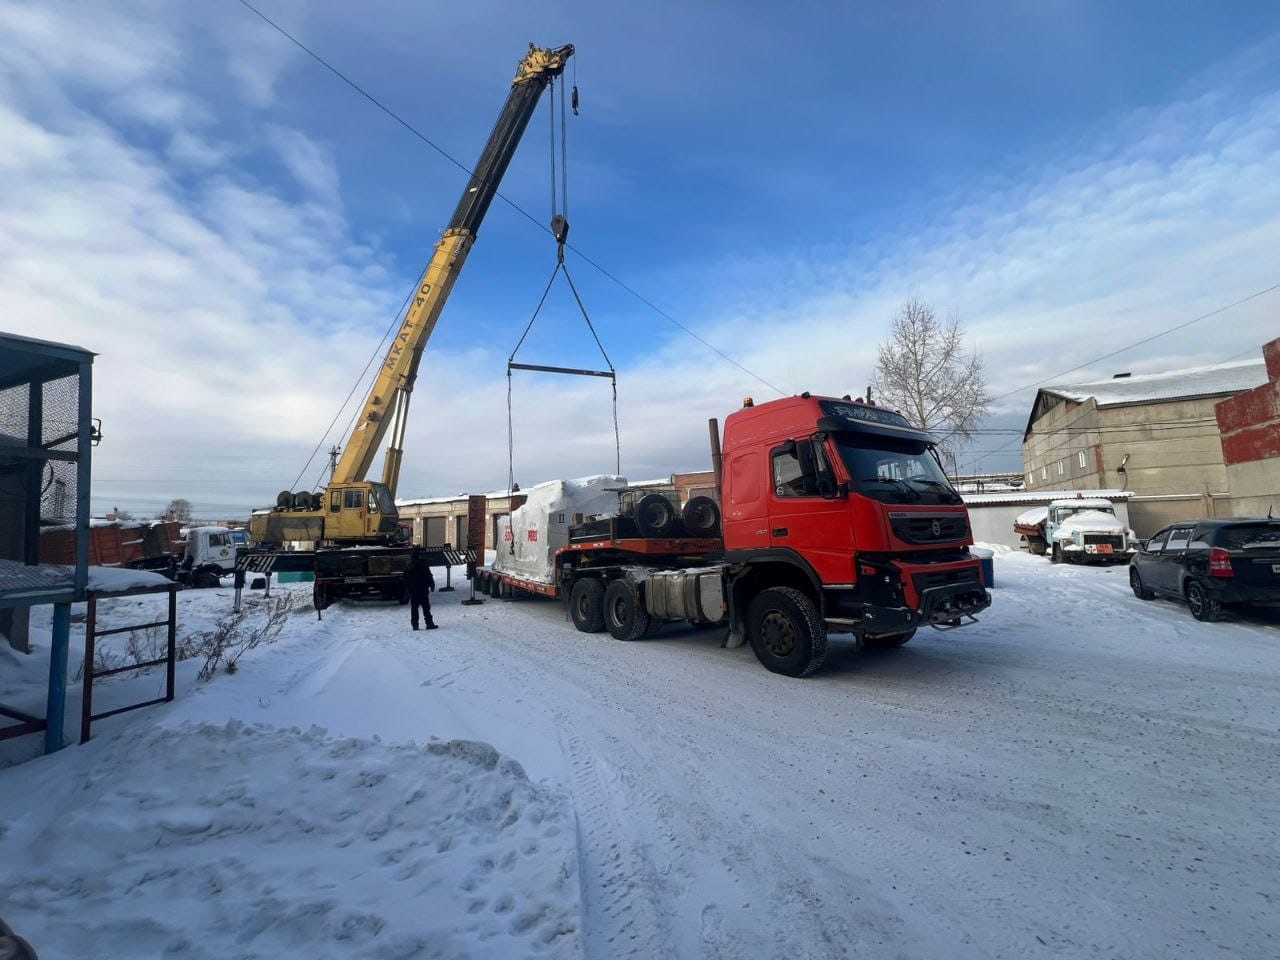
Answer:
(937, 528)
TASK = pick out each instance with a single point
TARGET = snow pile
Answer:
(1031, 518)
(541, 527)
(112, 579)
(253, 841)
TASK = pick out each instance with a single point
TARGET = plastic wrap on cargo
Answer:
(536, 530)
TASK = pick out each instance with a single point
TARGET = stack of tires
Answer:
(655, 517)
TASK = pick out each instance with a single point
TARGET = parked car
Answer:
(1211, 564)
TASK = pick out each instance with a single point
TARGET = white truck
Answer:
(1077, 530)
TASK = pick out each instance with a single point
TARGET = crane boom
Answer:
(354, 509)
(388, 402)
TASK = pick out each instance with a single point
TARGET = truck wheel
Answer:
(701, 517)
(586, 604)
(1135, 584)
(888, 641)
(624, 614)
(205, 579)
(1205, 607)
(786, 632)
(1057, 553)
(319, 597)
(655, 516)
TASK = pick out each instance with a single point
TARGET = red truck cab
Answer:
(846, 502)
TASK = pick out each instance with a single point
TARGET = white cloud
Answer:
(231, 319)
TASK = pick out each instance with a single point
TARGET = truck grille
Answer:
(915, 528)
(1109, 539)
(945, 578)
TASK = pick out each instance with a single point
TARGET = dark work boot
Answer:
(431, 625)
(415, 626)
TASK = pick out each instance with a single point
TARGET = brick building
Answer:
(1153, 434)
(1249, 427)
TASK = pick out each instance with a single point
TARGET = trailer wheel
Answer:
(624, 614)
(655, 516)
(319, 596)
(586, 604)
(701, 517)
(786, 632)
(888, 641)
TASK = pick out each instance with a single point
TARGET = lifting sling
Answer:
(560, 229)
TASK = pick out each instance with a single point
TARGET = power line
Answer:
(1144, 340)
(505, 199)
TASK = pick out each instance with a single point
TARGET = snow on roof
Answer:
(426, 501)
(1042, 496)
(1208, 381)
(1090, 502)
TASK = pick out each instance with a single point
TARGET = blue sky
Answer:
(231, 228)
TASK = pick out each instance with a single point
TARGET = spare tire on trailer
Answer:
(701, 516)
(302, 500)
(655, 516)
(586, 604)
(624, 612)
(284, 500)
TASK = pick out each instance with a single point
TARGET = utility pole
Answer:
(334, 452)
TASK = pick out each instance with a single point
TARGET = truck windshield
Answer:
(894, 469)
(386, 505)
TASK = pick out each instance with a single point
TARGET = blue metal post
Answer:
(56, 706)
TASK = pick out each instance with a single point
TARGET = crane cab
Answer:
(360, 511)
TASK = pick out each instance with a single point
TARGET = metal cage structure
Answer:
(46, 436)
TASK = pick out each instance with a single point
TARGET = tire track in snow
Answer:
(621, 915)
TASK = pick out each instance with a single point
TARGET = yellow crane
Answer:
(354, 509)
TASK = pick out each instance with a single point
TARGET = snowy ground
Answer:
(1081, 774)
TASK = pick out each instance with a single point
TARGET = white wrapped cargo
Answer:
(535, 531)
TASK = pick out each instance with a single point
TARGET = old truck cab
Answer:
(851, 501)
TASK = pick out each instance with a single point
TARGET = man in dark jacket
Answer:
(419, 583)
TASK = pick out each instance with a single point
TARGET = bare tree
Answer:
(923, 371)
(178, 509)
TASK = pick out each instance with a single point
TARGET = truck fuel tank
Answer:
(694, 594)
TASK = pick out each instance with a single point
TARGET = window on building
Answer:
(1081, 456)
(1062, 467)
(1030, 479)
(1044, 473)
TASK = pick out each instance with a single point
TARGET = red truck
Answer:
(837, 517)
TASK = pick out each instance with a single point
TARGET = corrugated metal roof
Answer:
(1221, 378)
(1043, 496)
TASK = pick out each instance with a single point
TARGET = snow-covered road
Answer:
(1081, 774)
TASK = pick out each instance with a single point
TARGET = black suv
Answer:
(1211, 564)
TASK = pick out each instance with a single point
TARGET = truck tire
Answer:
(1056, 557)
(786, 632)
(319, 596)
(701, 517)
(655, 516)
(888, 641)
(205, 579)
(1036, 546)
(624, 614)
(586, 604)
